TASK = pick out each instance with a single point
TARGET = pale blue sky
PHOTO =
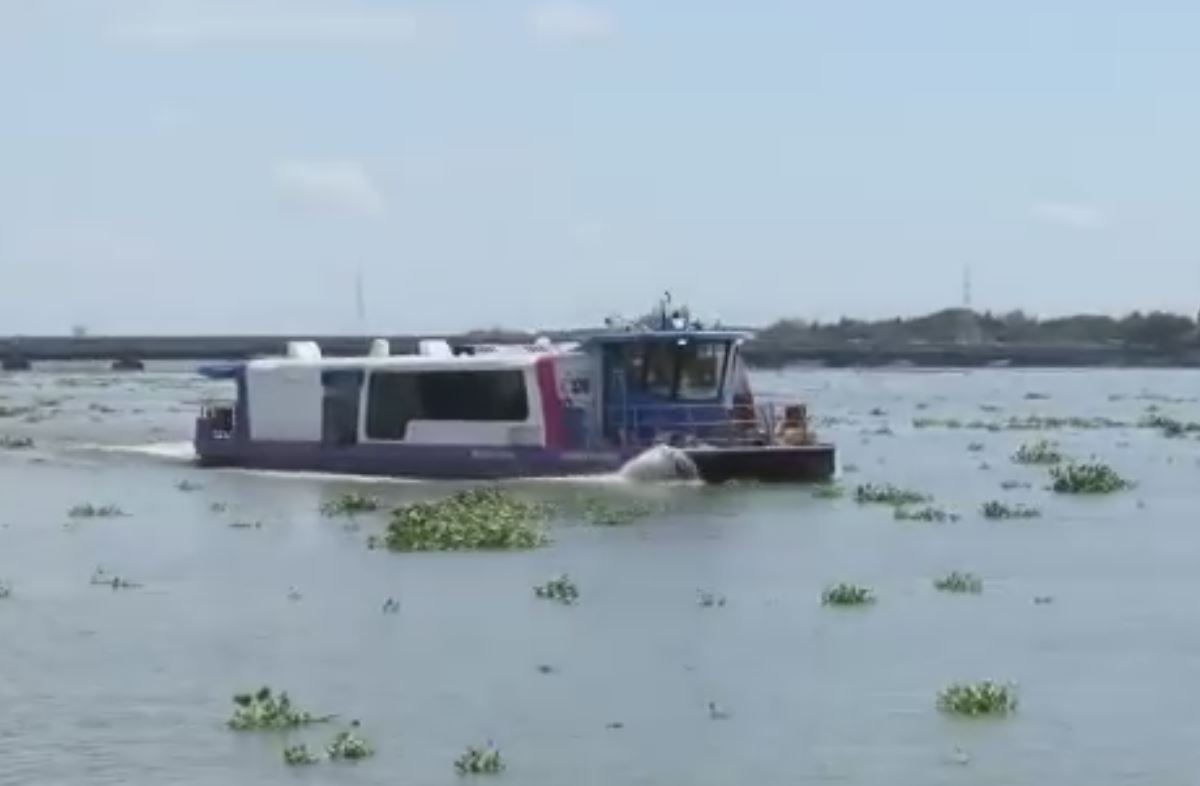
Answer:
(226, 165)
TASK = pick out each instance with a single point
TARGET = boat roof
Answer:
(647, 334)
(483, 362)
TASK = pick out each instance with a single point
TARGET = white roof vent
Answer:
(304, 350)
(380, 348)
(434, 348)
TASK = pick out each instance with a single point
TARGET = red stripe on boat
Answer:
(552, 408)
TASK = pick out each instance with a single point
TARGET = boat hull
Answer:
(770, 464)
(765, 463)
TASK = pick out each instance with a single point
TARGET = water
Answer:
(133, 686)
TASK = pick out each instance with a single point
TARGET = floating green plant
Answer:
(350, 504)
(959, 582)
(979, 698)
(1090, 478)
(5, 590)
(709, 599)
(975, 447)
(102, 578)
(299, 755)
(828, 491)
(998, 510)
(559, 588)
(242, 524)
(847, 595)
(927, 513)
(1169, 426)
(479, 761)
(219, 507)
(1041, 452)
(887, 495)
(8, 442)
(347, 745)
(610, 514)
(90, 511)
(266, 710)
(1010, 485)
(186, 485)
(486, 518)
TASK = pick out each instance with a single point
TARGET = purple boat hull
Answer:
(810, 463)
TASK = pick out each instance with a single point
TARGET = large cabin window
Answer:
(397, 397)
(700, 367)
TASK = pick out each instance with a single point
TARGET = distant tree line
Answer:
(1153, 330)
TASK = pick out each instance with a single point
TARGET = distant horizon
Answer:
(703, 317)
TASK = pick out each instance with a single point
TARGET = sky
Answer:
(176, 166)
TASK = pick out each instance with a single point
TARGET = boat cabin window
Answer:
(396, 397)
(700, 367)
(691, 371)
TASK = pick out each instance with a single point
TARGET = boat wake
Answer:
(170, 451)
(659, 464)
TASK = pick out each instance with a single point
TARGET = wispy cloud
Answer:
(337, 185)
(568, 21)
(1069, 214)
(216, 22)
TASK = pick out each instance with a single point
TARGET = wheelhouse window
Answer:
(684, 371)
(397, 397)
(700, 368)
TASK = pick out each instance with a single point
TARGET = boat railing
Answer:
(763, 423)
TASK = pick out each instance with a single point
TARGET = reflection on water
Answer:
(133, 686)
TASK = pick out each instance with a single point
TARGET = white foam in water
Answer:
(175, 451)
(659, 463)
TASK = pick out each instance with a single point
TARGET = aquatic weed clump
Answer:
(870, 493)
(479, 519)
(479, 761)
(828, 491)
(297, 755)
(844, 594)
(1041, 452)
(611, 514)
(998, 510)
(1090, 478)
(978, 698)
(90, 511)
(266, 710)
(349, 505)
(955, 581)
(348, 746)
(5, 589)
(8, 442)
(559, 588)
(928, 513)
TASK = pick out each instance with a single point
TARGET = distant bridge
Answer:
(130, 352)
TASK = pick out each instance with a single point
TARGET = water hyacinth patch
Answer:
(297, 755)
(828, 491)
(847, 595)
(1169, 426)
(959, 582)
(266, 710)
(349, 505)
(102, 578)
(15, 443)
(998, 510)
(978, 699)
(348, 746)
(887, 495)
(1041, 452)
(559, 588)
(478, 519)
(188, 485)
(610, 514)
(928, 513)
(1091, 478)
(5, 590)
(708, 599)
(479, 761)
(90, 511)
